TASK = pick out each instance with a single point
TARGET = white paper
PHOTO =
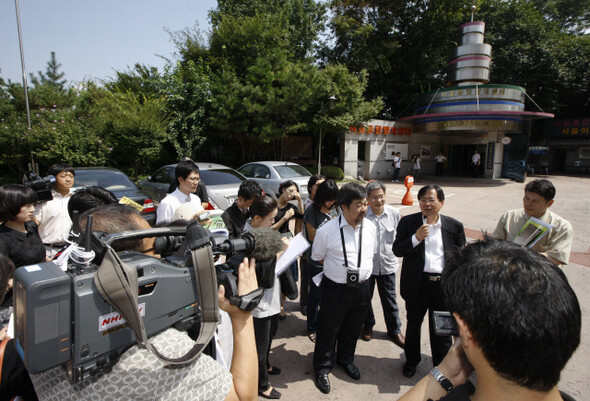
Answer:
(317, 279)
(10, 328)
(297, 246)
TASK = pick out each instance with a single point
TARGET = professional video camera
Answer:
(41, 185)
(63, 317)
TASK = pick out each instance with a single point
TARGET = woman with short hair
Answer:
(19, 234)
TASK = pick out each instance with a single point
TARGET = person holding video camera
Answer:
(19, 235)
(519, 322)
(139, 374)
(52, 216)
(345, 247)
(423, 239)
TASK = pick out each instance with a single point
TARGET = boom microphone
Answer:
(267, 243)
(261, 244)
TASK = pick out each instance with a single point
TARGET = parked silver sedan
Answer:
(222, 183)
(270, 174)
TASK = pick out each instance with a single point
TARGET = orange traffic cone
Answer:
(407, 199)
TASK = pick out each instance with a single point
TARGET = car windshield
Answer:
(111, 180)
(291, 171)
(220, 177)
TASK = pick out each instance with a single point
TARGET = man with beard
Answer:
(423, 239)
(345, 247)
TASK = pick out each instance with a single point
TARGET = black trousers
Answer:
(304, 284)
(15, 378)
(386, 287)
(439, 167)
(428, 299)
(342, 313)
(313, 298)
(264, 331)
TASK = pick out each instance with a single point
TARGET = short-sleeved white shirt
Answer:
(327, 246)
(169, 204)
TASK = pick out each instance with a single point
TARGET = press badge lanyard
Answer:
(358, 266)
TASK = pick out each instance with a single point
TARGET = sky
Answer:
(93, 39)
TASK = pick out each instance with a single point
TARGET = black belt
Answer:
(431, 276)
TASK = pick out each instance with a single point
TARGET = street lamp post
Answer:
(22, 62)
(331, 100)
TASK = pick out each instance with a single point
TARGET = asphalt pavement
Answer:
(478, 204)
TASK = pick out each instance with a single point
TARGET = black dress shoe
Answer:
(398, 339)
(352, 371)
(322, 382)
(367, 333)
(409, 370)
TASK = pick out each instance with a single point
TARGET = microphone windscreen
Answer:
(267, 243)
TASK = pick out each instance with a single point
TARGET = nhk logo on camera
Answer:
(114, 319)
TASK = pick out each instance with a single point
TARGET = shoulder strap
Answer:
(2, 348)
(117, 283)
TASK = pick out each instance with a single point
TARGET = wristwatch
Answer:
(442, 379)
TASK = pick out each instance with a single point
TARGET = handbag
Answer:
(288, 285)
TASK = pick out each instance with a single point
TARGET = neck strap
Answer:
(358, 263)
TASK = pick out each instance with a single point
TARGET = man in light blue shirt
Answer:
(385, 264)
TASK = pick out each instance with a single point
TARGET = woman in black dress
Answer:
(19, 236)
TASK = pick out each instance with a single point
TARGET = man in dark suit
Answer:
(423, 239)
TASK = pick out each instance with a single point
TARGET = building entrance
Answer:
(460, 159)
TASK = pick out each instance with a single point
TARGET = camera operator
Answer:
(139, 374)
(519, 322)
(52, 216)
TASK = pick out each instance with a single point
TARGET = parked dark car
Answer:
(222, 183)
(119, 184)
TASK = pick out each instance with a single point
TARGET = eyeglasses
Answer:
(427, 201)
(192, 179)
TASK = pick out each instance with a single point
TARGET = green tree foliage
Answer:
(132, 126)
(402, 45)
(298, 23)
(187, 90)
(142, 79)
(265, 87)
(49, 89)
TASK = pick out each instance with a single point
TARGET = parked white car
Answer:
(270, 174)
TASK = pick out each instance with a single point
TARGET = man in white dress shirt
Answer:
(345, 246)
(424, 239)
(52, 216)
(187, 175)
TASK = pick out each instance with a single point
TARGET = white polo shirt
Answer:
(327, 246)
(169, 204)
